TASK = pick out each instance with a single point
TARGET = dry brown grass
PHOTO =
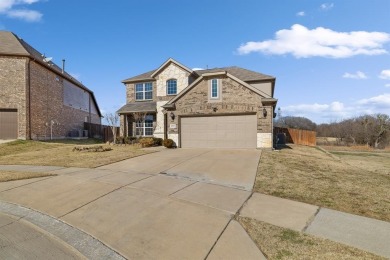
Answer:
(60, 154)
(281, 243)
(310, 175)
(13, 176)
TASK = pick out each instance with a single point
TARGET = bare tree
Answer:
(112, 120)
(139, 118)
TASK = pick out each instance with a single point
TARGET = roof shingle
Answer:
(242, 74)
(138, 107)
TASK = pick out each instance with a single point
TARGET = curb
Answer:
(87, 245)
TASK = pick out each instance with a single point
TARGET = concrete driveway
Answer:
(232, 168)
(172, 204)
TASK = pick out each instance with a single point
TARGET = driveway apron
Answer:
(143, 214)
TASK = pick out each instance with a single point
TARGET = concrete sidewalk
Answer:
(364, 233)
(140, 213)
(136, 215)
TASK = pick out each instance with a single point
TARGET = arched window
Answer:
(172, 87)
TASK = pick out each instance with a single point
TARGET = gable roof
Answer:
(169, 61)
(12, 45)
(241, 73)
(218, 73)
(149, 76)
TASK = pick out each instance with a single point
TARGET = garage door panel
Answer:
(237, 131)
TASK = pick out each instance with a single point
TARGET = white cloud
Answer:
(387, 85)
(7, 8)
(385, 74)
(357, 75)
(381, 101)
(302, 42)
(326, 6)
(301, 13)
(336, 110)
(28, 15)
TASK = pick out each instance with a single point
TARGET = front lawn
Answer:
(282, 243)
(356, 183)
(14, 176)
(60, 153)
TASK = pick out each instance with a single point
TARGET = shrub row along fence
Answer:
(295, 136)
(101, 131)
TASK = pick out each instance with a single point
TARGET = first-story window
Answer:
(172, 87)
(144, 91)
(145, 127)
(214, 88)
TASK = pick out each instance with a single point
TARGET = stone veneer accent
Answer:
(264, 140)
(46, 101)
(172, 71)
(159, 130)
(13, 91)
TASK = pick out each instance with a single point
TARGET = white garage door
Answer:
(238, 131)
(8, 124)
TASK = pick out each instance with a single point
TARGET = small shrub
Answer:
(168, 143)
(120, 140)
(91, 149)
(146, 142)
(157, 141)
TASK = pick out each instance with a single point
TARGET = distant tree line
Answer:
(371, 130)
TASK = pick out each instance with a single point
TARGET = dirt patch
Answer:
(61, 153)
(282, 243)
(13, 176)
(310, 175)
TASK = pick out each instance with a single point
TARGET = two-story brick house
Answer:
(38, 99)
(227, 107)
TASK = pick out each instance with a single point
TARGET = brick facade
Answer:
(18, 76)
(13, 93)
(241, 92)
(236, 99)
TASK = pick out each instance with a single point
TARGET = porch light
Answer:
(264, 112)
(172, 115)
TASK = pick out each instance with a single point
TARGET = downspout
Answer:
(29, 98)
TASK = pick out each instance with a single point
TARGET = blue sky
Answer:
(331, 59)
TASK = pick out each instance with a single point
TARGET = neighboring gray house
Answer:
(223, 107)
(38, 99)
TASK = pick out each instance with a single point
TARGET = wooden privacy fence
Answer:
(101, 131)
(107, 133)
(295, 136)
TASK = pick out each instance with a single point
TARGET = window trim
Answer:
(143, 91)
(142, 126)
(211, 89)
(166, 86)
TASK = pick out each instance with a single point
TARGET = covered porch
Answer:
(138, 119)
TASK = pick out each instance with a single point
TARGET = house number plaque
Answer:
(173, 126)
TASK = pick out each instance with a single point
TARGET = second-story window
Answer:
(214, 88)
(172, 87)
(144, 91)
